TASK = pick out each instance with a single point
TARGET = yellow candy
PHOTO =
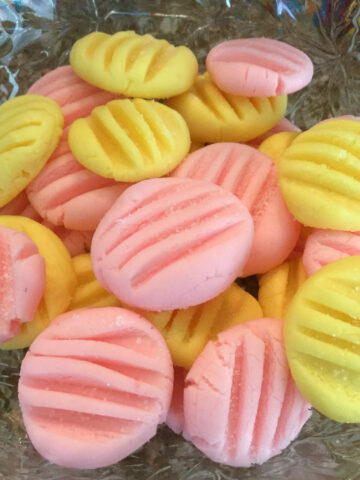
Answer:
(187, 331)
(89, 292)
(322, 339)
(215, 116)
(130, 140)
(60, 278)
(30, 128)
(135, 65)
(275, 146)
(320, 175)
(196, 146)
(277, 287)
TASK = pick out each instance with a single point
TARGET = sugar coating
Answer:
(241, 405)
(258, 67)
(161, 229)
(90, 392)
(327, 246)
(22, 273)
(253, 178)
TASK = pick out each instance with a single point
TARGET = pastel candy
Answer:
(175, 416)
(258, 67)
(214, 116)
(30, 128)
(94, 386)
(76, 242)
(64, 190)
(130, 140)
(241, 405)
(278, 286)
(135, 65)
(253, 178)
(275, 146)
(20, 205)
(187, 331)
(327, 246)
(322, 340)
(320, 176)
(171, 243)
(283, 125)
(60, 278)
(300, 244)
(89, 292)
(75, 97)
(22, 274)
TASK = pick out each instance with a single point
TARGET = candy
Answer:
(187, 331)
(258, 67)
(159, 231)
(327, 246)
(60, 278)
(275, 146)
(241, 405)
(94, 386)
(89, 292)
(283, 125)
(30, 128)
(253, 178)
(64, 190)
(214, 116)
(22, 272)
(278, 286)
(76, 242)
(130, 140)
(322, 339)
(320, 176)
(175, 416)
(135, 65)
(20, 205)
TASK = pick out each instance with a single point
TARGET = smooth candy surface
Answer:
(22, 274)
(67, 194)
(135, 65)
(258, 67)
(320, 176)
(89, 292)
(278, 286)
(130, 140)
(327, 246)
(30, 129)
(187, 331)
(241, 405)
(60, 278)
(322, 340)
(214, 116)
(175, 416)
(94, 386)
(275, 146)
(171, 243)
(253, 178)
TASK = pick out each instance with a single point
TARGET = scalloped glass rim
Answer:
(35, 36)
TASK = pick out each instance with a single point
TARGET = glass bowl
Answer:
(35, 37)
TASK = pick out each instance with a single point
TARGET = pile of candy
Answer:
(176, 199)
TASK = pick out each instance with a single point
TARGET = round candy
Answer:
(89, 292)
(175, 416)
(322, 339)
(130, 140)
(278, 286)
(22, 281)
(135, 65)
(187, 331)
(327, 246)
(30, 128)
(67, 194)
(214, 116)
(76, 97)
(241, 405)
(258, 67)
(171, 243)
(60, 278)
(275, 146)
(283, 125)
(253, 178)
(320, 175)
(94, 386)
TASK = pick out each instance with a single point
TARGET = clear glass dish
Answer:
(36, 36)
